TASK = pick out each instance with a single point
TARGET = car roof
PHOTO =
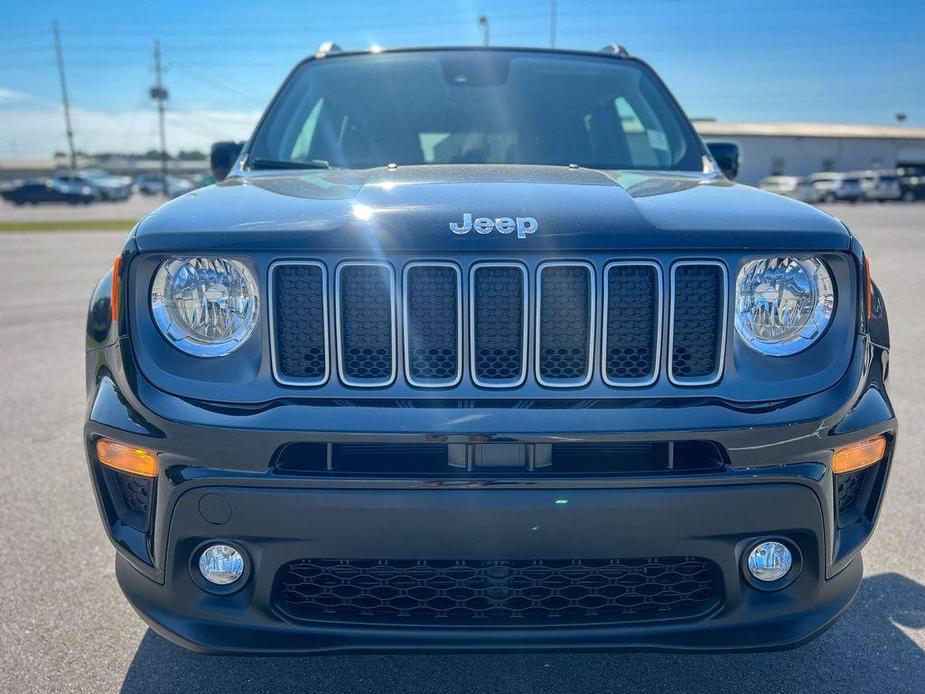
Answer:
(329, 50)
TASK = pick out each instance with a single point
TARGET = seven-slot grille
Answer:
(488, 315)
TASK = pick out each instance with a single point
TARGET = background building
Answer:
(800, 149)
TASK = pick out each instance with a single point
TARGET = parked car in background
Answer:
(880, 185)
(107, 186)
(795, 187)
(153, 184)
(150, 183)
(38, 190)
(911, 181)
(837, 187)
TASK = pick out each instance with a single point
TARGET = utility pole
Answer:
(483, 22)
(67, 104)
(159, 94)
(552, 25)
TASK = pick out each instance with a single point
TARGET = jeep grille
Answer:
(570, 323)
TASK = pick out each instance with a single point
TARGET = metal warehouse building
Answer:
(800, 149)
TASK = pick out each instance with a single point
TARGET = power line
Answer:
(67, 105)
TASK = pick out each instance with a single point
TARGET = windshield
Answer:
(475, 107)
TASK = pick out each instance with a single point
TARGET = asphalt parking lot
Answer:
(64, 625)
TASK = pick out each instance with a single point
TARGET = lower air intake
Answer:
(498, 592)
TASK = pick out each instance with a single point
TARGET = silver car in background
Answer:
(833, 186)
(795, 187)
(881, 185)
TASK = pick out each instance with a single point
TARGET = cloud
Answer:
(36, 133)
(8, 95)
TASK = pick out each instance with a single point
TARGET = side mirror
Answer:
(223, 157)
(726, 155)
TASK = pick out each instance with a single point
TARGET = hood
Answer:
(411, 208)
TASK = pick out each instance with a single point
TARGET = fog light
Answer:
(769, 561)
(221, 565)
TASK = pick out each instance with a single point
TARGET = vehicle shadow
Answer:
(867, 650)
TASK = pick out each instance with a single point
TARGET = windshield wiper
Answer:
(285, 164)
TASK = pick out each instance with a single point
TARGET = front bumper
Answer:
(281, 524)
(776, 483)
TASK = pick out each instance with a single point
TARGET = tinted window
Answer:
(472, 107)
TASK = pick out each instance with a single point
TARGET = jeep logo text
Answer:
(503, 225)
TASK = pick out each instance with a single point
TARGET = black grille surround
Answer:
(472, 324)
(500, 593)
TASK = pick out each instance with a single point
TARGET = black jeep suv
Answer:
(479, 349)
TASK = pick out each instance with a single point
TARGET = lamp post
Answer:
(483, 22)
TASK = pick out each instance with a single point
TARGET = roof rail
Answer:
(327, 47)
(615, 49)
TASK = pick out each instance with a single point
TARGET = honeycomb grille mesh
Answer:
(135, 491)
(433, 323)
(848, 489)
(698, 308)
(565, 323)
(498, 324)
(366, 322)
(631, 322)
(298, 295)
(505, 592)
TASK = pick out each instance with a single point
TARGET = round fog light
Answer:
(769, 561)
(221, 565)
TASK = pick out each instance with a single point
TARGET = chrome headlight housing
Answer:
(783, 304)
(205, 306)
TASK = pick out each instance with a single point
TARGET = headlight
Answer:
(783, 305)
(206, 307)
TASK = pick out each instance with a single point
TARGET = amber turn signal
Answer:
(859, 455)
(121, 456)
(114, 294)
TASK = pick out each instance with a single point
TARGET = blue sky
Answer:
(760, 60)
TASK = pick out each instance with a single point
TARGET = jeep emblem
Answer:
(503, 225)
